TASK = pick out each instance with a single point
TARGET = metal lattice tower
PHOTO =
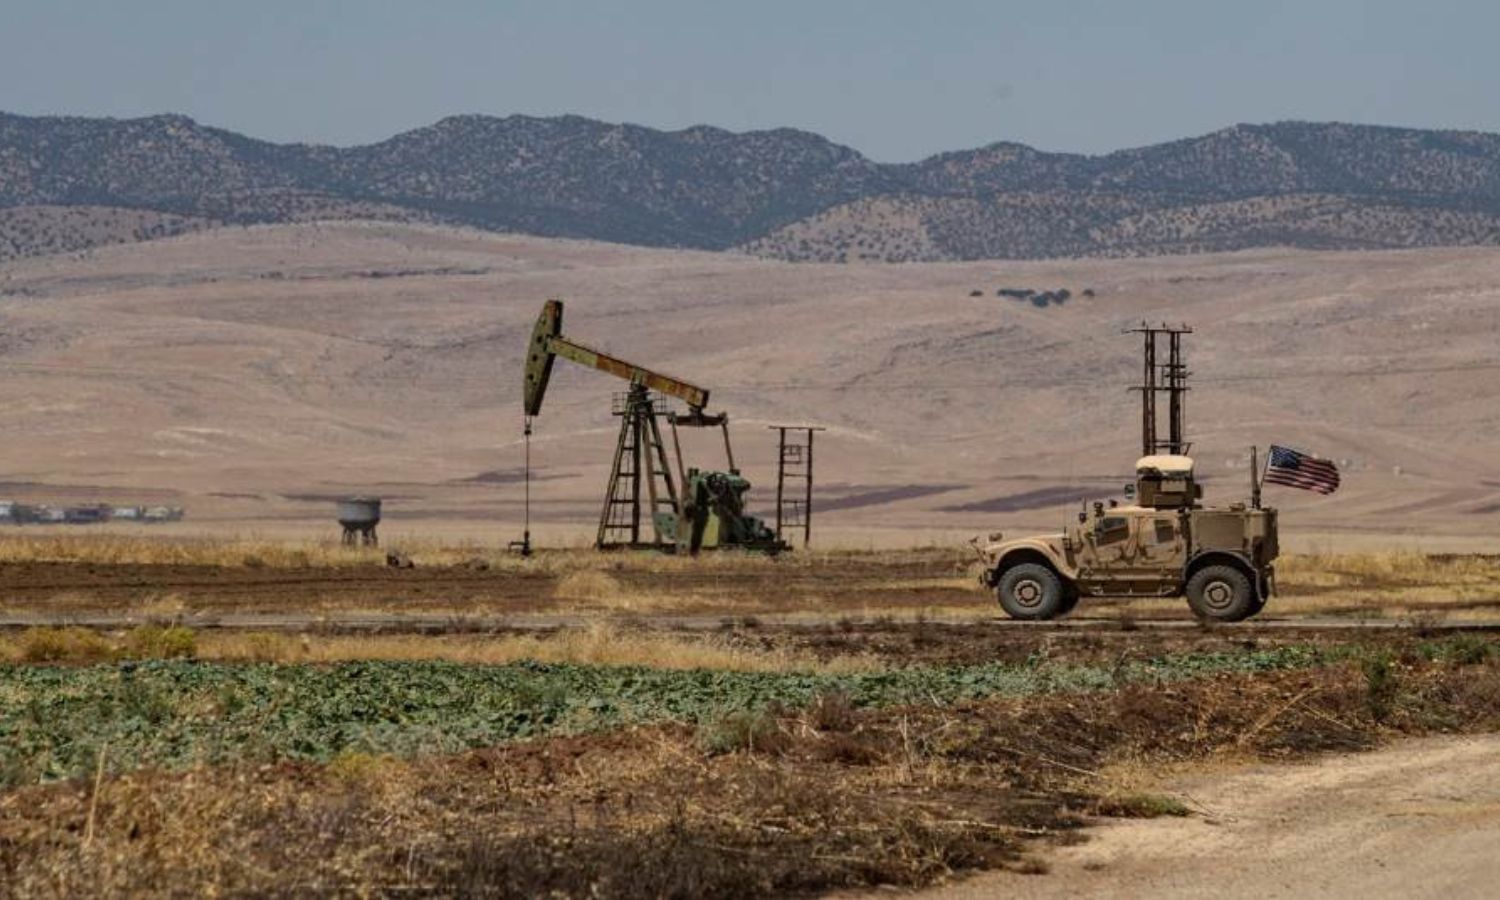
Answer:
(1158, 377)
(640, 484)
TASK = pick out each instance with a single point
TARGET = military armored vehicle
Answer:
(1162, 543)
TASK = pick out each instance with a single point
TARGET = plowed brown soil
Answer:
(853, 582)
(937, 582)
(75, 587)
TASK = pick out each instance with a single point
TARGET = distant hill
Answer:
(1295, 184)
(784, 193)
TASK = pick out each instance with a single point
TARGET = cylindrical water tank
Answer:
(359, 512)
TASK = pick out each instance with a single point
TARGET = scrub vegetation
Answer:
(373, 778)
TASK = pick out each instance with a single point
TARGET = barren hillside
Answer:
(252, 373)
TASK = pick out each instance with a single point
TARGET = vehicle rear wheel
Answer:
(1256, 605)
(1262, 594)
(1031, 591)
(1221, 593)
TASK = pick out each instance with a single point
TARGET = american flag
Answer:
(1301, 470)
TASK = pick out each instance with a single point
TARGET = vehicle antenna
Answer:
(1255, 477)
(1169, 378)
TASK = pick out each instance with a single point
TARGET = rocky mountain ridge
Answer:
(779, 193)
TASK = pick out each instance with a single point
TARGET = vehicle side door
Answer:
(1138, 552)
(1162, 546)
(1106, 543)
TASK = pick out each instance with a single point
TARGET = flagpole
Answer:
(1254, 477)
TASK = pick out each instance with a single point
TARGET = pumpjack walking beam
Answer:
(547, 343)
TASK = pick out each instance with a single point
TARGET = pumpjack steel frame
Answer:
(640, 465)
(640, 470)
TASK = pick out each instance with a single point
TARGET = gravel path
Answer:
(1419, 819)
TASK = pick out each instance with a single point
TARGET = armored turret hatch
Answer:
(1166, 482)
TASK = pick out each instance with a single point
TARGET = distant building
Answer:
(162, 514)
(86, 515)
(15, 513)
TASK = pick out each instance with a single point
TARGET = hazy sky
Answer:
(896, 80)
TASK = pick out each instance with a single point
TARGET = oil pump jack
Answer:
(643, 507)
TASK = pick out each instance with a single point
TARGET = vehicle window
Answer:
(1112, 529)
(1166, 531)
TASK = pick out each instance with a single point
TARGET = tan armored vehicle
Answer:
(1164, 544)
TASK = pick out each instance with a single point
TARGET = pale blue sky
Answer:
(895, 80)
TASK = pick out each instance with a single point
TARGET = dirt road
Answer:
(1421, 819)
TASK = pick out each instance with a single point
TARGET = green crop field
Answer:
(54, 721)
(528, 779)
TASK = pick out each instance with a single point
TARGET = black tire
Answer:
(1262, 594)
(1031, 592)
(1221, 593)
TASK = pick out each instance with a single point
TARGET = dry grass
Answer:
(599, 644)
(168, 607)
(587, 585)
(593, 590)
(85, 645)
(802, 803)
(1396, 567)
(57, 645)
(1389, 585)
(189, 577)
(930, 582)
(1133, 783)
(255, 552)
(107, 549)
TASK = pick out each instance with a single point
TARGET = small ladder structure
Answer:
(794, 480)
(640, 483)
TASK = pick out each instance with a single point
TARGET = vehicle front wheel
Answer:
(1221, 593)
(1031, 591)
